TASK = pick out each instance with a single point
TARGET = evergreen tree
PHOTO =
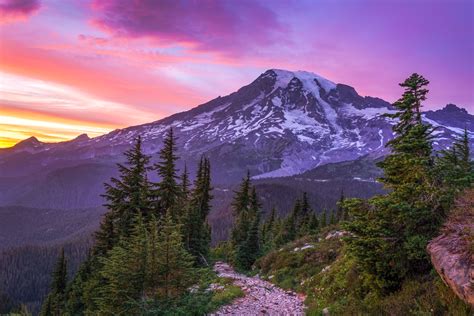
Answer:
(172, 266)
(304, 216)
(332, 218)
(454, 169)
(323, 220)
(240, 207)
(106, 237)
(75, 303)
(249, 250)
(185, 185)
(340, 213)
(292, 222)
(390, 232)
(55, 302)
(126, 196)
(197, 232)
(269, 231)
(168, 191)
(123, 271)
(313, 224)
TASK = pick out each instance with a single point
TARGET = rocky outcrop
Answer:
(261, 297)
(452, 253)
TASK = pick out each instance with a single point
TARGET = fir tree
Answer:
(173, 265)
(332, 218)
(197, 232)
(340, 213)
(185, 185)
(269, 231)
(240, 207)
(75, 303)
(454, 169)
(106, 237)
(390, 232)
(126, 196)
(168, 191)
(323, 220)
(313, 224)
(304, 216)
(249, 250)
(55, 302)
(123, 271)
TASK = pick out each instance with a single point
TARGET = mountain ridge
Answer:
(283, 123)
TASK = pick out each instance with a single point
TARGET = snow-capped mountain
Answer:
(283, 123)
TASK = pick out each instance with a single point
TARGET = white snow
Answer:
(456, 130)
(307, 78)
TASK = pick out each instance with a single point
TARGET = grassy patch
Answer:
(225, 297)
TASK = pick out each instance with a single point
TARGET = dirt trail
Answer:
(261, 297)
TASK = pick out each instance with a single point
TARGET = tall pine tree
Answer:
(197, 230)
(390, 232)
(167, 192)
(54, 304)
(126, 196)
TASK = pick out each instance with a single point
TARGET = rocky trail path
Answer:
(261, 297)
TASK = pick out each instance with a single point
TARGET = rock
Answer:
(336, 234)
(451, 252)
(307, 246)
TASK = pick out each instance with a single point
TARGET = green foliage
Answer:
(197, 232)
(54, 303)
(390, 232)
(147, 244)
(172, 269)
(168, 191)
(454, 169)
(226, 296)
(245, 235)
(126, 196)
(290, 267)
(200, 301)
(124, 273)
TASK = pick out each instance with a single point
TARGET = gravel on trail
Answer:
(261, 297)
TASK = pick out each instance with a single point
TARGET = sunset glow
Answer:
(73, 67)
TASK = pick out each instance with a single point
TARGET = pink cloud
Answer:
(14, 10)
(229, 27)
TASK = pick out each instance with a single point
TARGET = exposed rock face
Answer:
(452, 253)
(261, 297)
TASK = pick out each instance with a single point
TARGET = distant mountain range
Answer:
(283, 124)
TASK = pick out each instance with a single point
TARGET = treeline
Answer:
(389, 233)
(150, 244)
(25, 273)
(251, 237)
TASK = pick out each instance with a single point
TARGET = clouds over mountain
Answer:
(231, 27)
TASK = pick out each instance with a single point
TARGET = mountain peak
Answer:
(453, 108)
(311, 81)
(31, 141)
(81, 138)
